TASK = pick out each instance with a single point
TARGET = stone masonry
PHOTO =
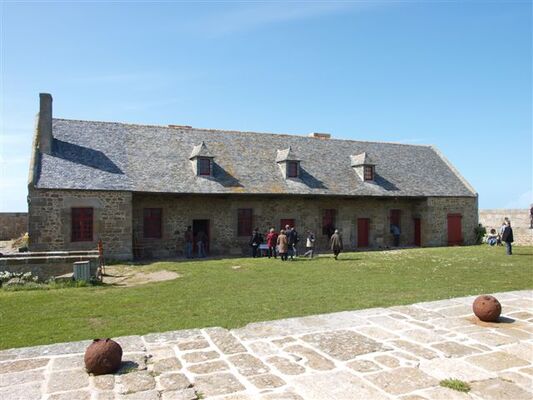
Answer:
(180, 211)
(400, 352)
(50, 220)
(522, 232)
(119, 217)
(13, 225)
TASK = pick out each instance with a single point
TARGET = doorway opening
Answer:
(200, 226)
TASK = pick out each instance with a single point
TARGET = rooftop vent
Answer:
(321, 136)
(180, 126)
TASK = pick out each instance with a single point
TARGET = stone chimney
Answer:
(44, 124)
(321, 136)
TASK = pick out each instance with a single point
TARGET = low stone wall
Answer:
(13, 225)
(520, 221)
(46, 266)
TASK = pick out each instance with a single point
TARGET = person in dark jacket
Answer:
(336, 243)
(292, 237)
(255, 241)
(395, 230)
(507, 237)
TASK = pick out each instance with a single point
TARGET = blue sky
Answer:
(455, 74)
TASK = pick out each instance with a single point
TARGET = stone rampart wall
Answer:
(13, 225)
(520, 222)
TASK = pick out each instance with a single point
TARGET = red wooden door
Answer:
(418, 232)
(363, 227)
(455, 234)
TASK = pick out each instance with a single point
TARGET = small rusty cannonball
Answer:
(103, 356)
(487, 308)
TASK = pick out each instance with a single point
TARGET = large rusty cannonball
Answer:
(103, 356)
(487, 308)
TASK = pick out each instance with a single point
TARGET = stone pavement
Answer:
(382, 353)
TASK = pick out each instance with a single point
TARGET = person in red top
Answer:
(272, 239)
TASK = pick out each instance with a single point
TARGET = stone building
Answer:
(138, 187)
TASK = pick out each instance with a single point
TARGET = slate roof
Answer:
(139, 158)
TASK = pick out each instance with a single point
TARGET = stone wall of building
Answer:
(520, 222)
(434, 215)
(50, 220)
(13, 225)
(119, 218)
(179, 211)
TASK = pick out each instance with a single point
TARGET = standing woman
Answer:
(283, 245)
(507, 237)
(272, 240)
(336, 243)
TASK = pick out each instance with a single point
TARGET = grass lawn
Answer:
(213, 293)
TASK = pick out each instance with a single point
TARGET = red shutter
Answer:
(293, 169)
(152, 223)
(368, 173)
(363, 227)
(328, 222)
(82, 224)
(204, 165)
(418, 232)
(244, 222)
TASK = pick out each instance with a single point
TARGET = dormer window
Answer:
(363, 166)
(204, 166)
(202, 160)
(288, 163)
(368, 172)
(292, 169)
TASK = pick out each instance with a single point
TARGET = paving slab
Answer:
(338, 385)
(402, 380)
(498, 389)
(384, 353)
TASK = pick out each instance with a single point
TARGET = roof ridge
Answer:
(304, 136)
(454, 170)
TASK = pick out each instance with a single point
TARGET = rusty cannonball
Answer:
(487, 308)
(103, 356)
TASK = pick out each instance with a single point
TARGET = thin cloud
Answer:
(125, 77)
(248, 18)
(525, 200)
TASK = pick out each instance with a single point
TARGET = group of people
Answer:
(505, 235)
(284, 244)
(201, 243)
